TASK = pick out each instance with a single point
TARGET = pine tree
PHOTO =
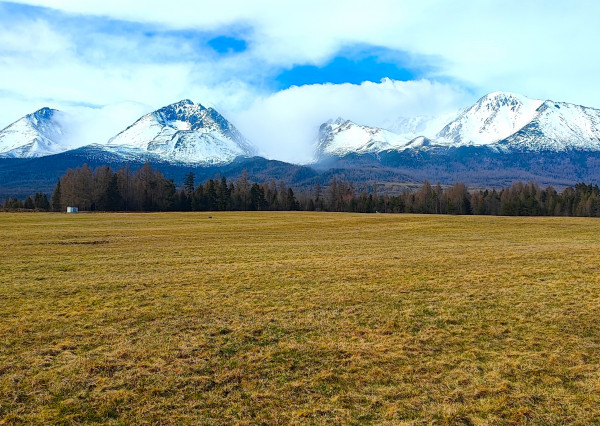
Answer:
(41, 201)
(55, 200)
(257, 198)
(292, 203)
(110, 199)
(189, 185)
(223, 195)
(210, 192)
(29, 204)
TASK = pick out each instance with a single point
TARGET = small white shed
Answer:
(72, 209)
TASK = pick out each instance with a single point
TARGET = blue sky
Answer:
(279, 69)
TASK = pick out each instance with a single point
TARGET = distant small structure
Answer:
(72, 209)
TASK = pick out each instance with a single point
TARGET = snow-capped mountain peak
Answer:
(341, 137)
(492, 118)
(183, 132)
(35, 135)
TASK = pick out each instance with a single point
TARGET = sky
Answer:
(277, 70)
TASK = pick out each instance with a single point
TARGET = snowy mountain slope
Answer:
(341, 137)
(35, 135)
(494, 117)
(182, 133)
(558, 126)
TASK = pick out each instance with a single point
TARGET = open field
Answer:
(298, 318)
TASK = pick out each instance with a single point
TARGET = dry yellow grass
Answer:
(298, 318)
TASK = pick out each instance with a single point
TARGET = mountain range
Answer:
(500, 121)
(501, 138)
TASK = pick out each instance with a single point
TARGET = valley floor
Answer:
(298, 318)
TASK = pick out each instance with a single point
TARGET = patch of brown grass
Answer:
(298, 318)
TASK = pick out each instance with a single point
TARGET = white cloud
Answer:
(284, 125)
(540, 48)
(96, 125)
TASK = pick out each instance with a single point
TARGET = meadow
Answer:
(291, 318)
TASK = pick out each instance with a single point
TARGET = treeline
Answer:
(38, 201)
(147, 189)
(520, 199)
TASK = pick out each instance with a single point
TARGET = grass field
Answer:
(285, 318)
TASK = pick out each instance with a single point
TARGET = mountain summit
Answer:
(494, 117)
(185, 133)
(35, 135)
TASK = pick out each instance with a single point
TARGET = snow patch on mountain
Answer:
(183, 132)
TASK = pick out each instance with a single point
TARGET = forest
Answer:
(146, 189)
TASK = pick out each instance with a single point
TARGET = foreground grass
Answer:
(298, 318)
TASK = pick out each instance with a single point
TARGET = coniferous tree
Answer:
(110, 199)
(189, 184)
(210, 194)
(41, 201)
(55, 200)
(12, 203)
(223, 195)
(257, 198)
(292, 203)
(29, 204)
